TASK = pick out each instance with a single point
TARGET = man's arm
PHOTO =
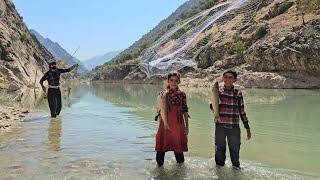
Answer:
(69, 69)
(44, 77)
(243, 116)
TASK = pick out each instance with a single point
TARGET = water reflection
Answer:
(140, 96)
(26, 98)
(286, 119)
(54, 134)
(108, 131)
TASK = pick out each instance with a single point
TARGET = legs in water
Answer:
(52, 102)
(179, 157)
(160, 158)
(233, 137)
(220, 145)
(59, 105)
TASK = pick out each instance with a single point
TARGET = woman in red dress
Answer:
(172, 135)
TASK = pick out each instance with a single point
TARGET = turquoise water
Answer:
(107, 131)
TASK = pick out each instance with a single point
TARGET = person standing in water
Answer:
(231, 107)
(54, 93)
(172, 135)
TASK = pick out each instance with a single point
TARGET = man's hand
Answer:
(214, 89)
(43, 88)
(248, 134)
(216, 119)
(74, 66)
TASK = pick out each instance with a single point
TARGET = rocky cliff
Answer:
(274, 49)
(23, 60)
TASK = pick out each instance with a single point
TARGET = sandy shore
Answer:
(11, 116)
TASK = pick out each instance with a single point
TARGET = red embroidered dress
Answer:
(174, 139)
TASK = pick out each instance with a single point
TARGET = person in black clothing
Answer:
(54, 93)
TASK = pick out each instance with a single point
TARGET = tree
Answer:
(307, 6)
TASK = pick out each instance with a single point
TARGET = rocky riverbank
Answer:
(11, 116)
(253, 79)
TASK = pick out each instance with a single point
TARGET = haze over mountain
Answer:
(99, 60)
(58, 52)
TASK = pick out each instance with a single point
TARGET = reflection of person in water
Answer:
(54, 93)
(67, 101)
(54, 134)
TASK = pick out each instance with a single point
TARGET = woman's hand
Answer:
(165, 92)
(186, 120)
(166, 126)
(187, 130)
(248, 134)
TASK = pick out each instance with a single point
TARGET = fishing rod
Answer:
(69, 88)
(70, 57)
(75, 51)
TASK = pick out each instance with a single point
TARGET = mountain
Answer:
(99, 60)
(58, 52)
(271, 43)
(23, 60)
(183, 12)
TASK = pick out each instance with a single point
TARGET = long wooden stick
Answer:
(75, 52)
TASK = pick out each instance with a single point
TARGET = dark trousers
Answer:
(54, 100)
(232, 134)
(160, 157)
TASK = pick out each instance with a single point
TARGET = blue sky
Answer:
(97, 26)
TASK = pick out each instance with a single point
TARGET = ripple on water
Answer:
(98, 139)
(196, 168)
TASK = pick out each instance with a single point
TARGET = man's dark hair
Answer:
(52, 63)
(233, 72)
